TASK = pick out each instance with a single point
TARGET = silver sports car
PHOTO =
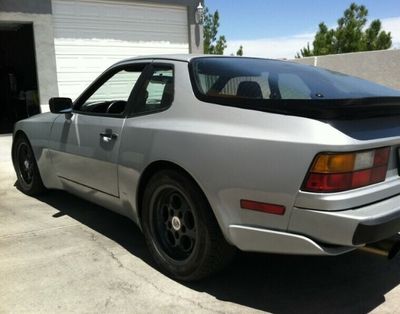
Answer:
(208, 154)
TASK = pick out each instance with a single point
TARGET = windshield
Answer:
(231, 78)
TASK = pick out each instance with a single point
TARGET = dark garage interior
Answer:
(18, 79)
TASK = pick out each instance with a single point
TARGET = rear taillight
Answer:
(331, 172)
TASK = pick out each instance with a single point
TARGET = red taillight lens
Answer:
(381, 157)
(339, 172)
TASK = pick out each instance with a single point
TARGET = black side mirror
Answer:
(60, 105)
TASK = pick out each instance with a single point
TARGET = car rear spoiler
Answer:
(321, 109)
(343, 109)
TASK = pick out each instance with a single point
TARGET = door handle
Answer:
(107, 136)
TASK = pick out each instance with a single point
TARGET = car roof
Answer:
(180, 57)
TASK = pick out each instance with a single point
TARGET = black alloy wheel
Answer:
(28, 176)
(180, 228)
(174, 222)
(25, 163)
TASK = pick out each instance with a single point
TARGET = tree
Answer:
(304, 52)
(374, 38)
(323, 41)
(240, 51)
(212, 45)
(350, 35)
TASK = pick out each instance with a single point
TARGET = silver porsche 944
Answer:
(208, 154)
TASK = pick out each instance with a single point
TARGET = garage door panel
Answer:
(94, 48)
(90, 35)
(119, 20)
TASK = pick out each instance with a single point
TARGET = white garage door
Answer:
(90, 35)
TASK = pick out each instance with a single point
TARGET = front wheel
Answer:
(29, 180)
(180, 230)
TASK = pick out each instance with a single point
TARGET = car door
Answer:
(85, 144)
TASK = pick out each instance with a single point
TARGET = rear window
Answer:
(289, 88)
(247, 78)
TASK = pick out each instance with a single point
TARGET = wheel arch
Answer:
(154, 168)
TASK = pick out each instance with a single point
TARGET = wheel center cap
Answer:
(26, 164)
(176, 223)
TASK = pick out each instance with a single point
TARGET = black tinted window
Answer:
(269, 79)
(158, 90)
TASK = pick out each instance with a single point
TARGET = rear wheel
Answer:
(29, 180)
(180, 230)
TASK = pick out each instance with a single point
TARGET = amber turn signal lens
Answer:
(333, 163)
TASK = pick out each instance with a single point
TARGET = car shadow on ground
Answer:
(355, 282)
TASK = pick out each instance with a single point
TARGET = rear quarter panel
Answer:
(232, 153)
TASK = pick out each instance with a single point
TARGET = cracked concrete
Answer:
(61, 254)
(55, 260)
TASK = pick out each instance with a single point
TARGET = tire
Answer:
(180, 229)
(28, 176)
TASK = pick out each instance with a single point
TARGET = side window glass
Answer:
(112, 96)
(157, 92)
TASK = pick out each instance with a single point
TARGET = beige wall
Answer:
(381, 66)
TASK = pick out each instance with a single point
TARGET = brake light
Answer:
(332, 172)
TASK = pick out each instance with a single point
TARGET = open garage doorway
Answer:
(18, 79)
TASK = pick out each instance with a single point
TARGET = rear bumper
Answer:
(313, 232)
(255, 239)
(373, 231)
(352, 227)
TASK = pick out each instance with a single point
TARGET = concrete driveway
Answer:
(59, 253)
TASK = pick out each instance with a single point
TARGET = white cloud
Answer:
(392, 24)
(278, 47)
(287, 47)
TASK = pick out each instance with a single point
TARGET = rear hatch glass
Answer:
(289, 88)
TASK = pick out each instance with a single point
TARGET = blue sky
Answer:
(283, 25)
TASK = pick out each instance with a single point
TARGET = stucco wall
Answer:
(381, 66)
